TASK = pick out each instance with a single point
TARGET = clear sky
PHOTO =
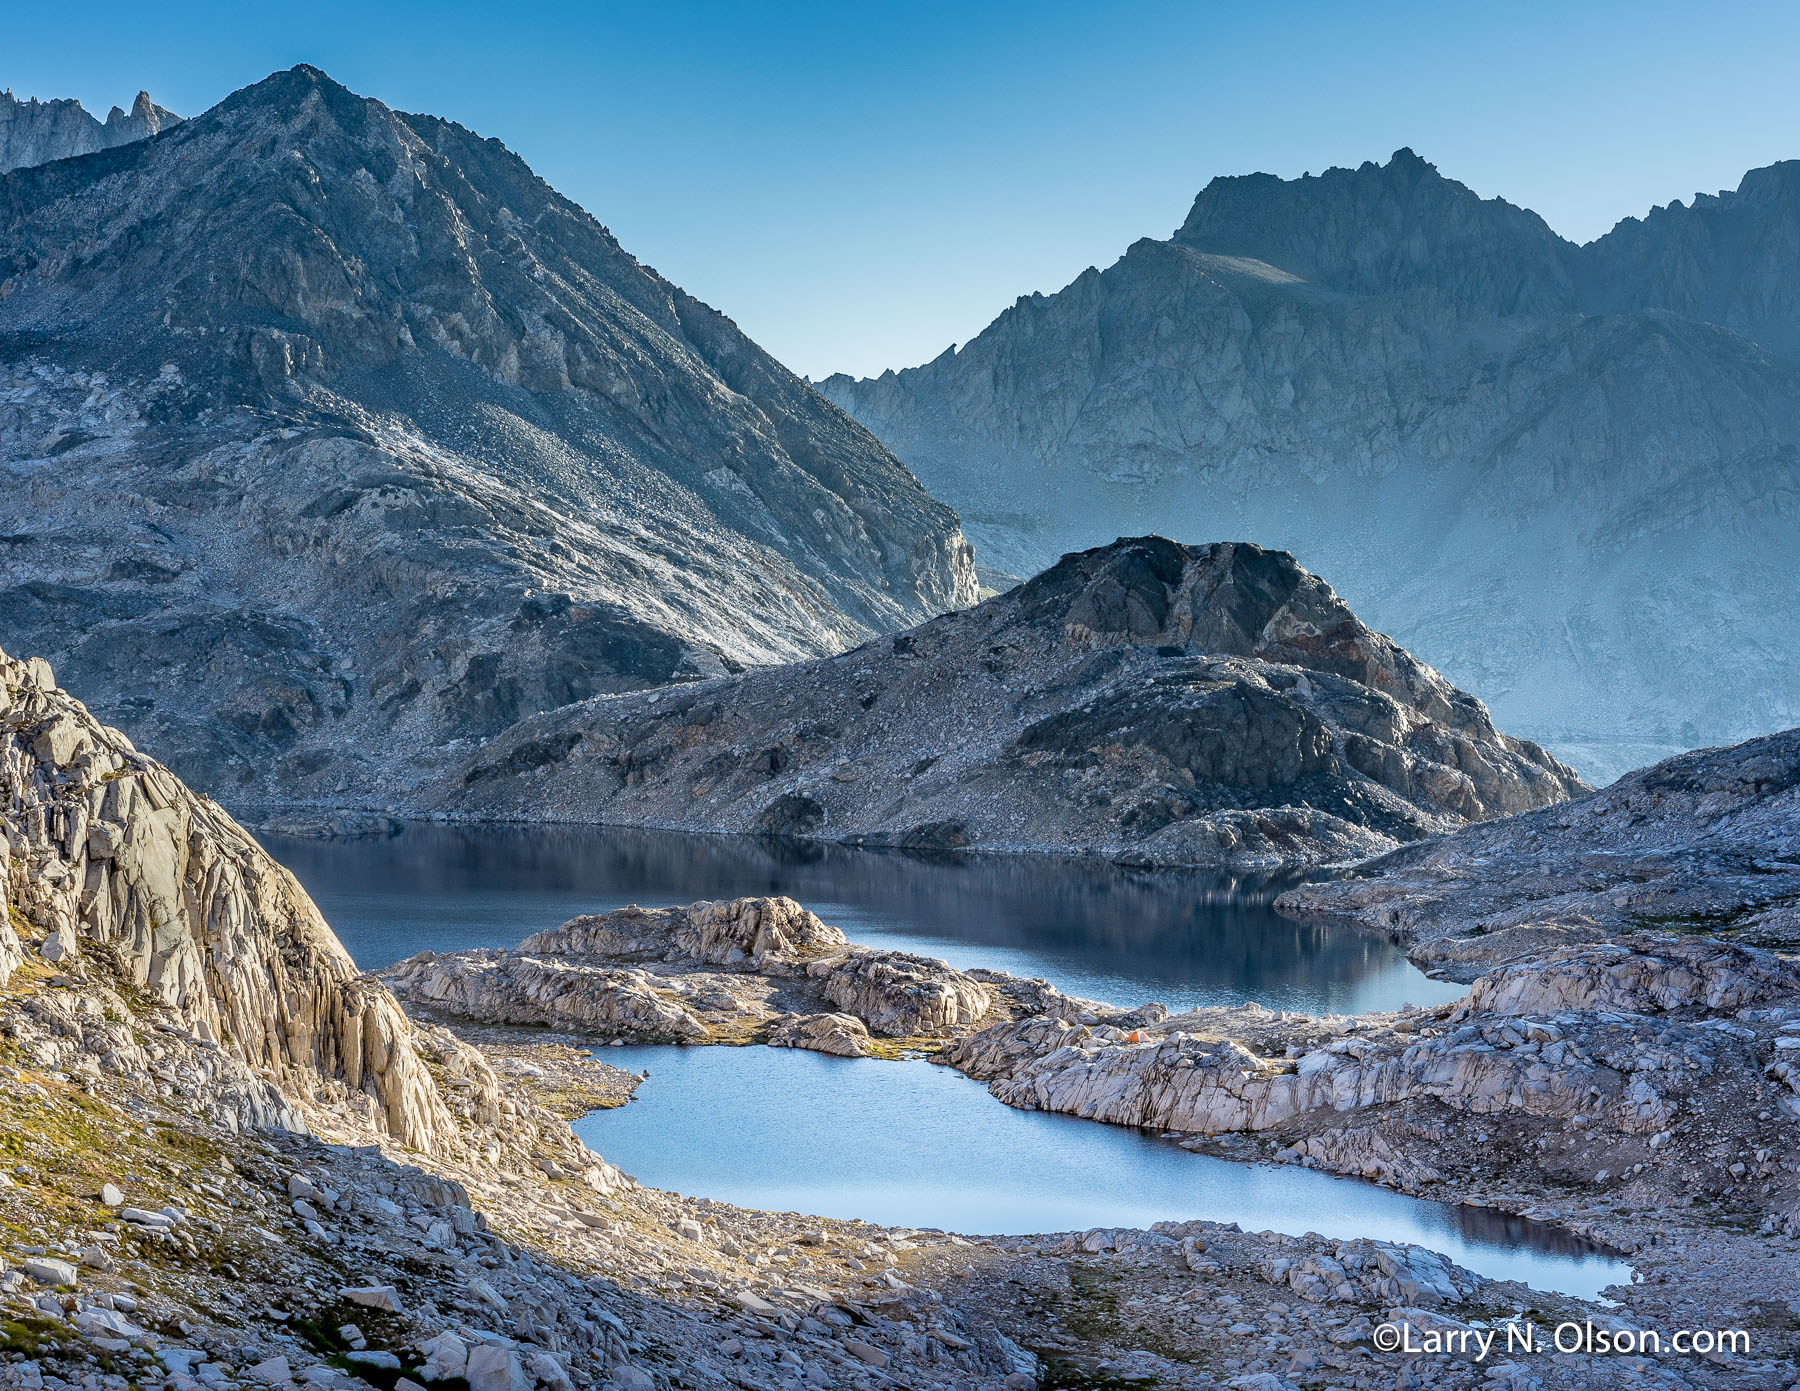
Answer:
(861, 184)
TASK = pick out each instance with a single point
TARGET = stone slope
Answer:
(1212, 705)
(1705, 842)
(36, 132)
(123, 885)
(1562, 475)
(330, 436)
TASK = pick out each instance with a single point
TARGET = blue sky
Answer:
(860, 185)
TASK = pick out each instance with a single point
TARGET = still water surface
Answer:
(1094, 931)
(913, 1143)
(918, 1145)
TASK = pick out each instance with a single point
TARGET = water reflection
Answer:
(1094, 930)
(913, 1144)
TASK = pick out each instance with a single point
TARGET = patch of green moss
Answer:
(1067, 1376)
(29, 1335)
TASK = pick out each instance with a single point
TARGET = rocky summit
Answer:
(332, 439)
(36, 132)
(1559, 474)
(1158, 703)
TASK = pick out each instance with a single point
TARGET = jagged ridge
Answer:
(35, 132)
(1563, 475)
(348, 410)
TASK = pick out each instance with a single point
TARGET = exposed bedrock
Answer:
(1704, 843)
(1666, 1067)
(165, 919)
(1160, 704)
(704, 973)
(109, 853)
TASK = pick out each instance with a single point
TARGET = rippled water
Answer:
(913, 1143)
(1095, 931)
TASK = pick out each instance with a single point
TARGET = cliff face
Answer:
(108, 856)
(36, 132)
(1563, 475)
(330, 436)
(1160, 703)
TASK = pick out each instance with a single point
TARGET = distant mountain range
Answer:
(332, 440)
(1567, 476)
(36, 132)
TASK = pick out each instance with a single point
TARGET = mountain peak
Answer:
(34, 132)
(439, 326)
(1384, 229)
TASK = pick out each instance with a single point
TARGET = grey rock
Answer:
(495, 1368)
(1705, 842)
(1162, 704)
(843, 1035)
(36, 132)
(47, 1270)
(1491, 438)
(549, 1372)
(446, 1356)
(315, 496)
(199, 917)
(591, 974)
(383, 1297)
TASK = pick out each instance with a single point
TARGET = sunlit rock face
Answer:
(36, 132)
(1562, 475)
(331, 438)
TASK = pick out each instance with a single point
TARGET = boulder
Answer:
(492, 1367)
(383, 1297)
(843, 1035)
(47, 1270)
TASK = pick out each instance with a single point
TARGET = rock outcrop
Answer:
(1162, 704)
(1707, 842)
(709, 972)
(35, 132)
(108, 854)
(843, 1035)
(1657, 1071)
(1496, 442)
(1189, 1074)
(333, 441)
